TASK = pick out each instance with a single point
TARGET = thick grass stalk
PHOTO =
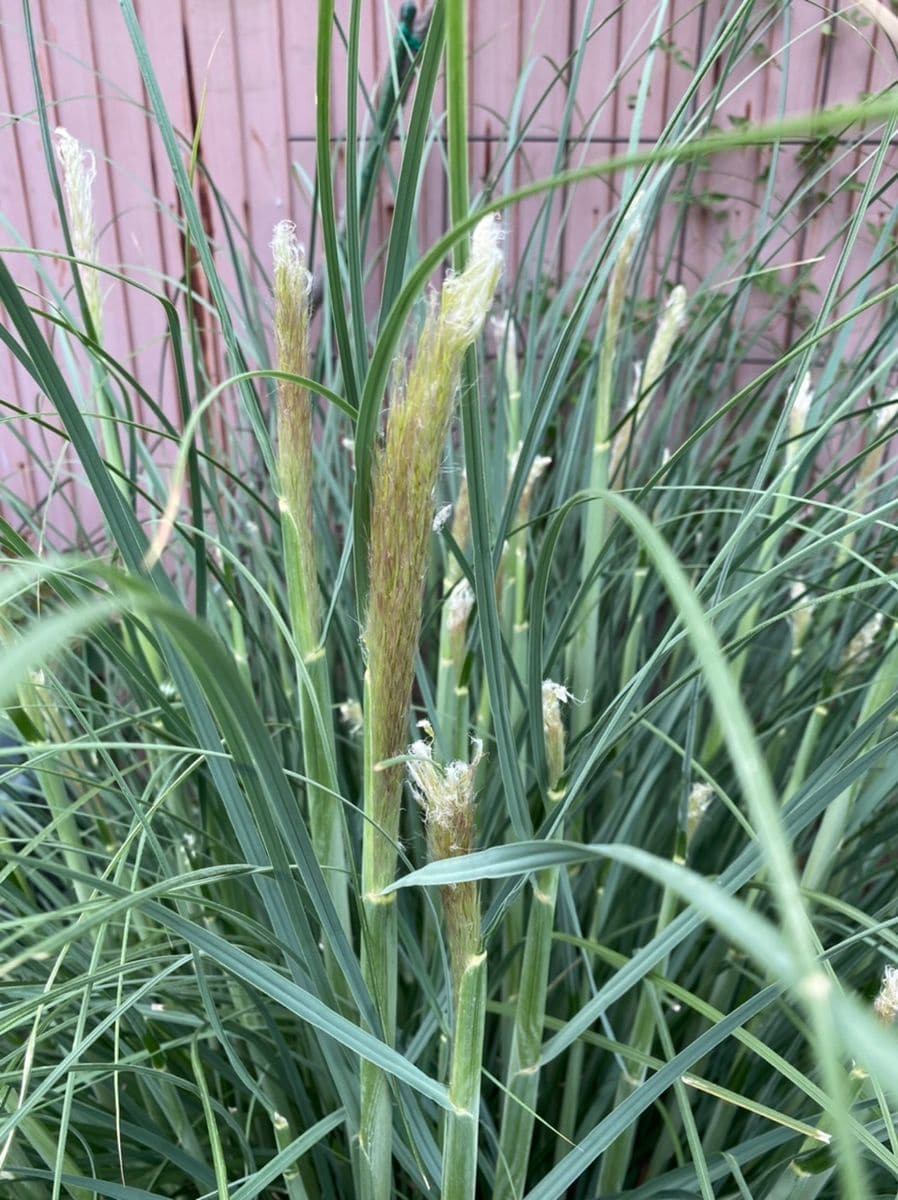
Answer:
(515, 564)
(801, 400)
(446, 795)
(669, 328)
(405, 475)
(616, 1160)
(292, 289)
(582, 657)
(461, 1136)
(283, 1136)
(48, 725)
(811, 1170)
(522, 1083)
(823, 857)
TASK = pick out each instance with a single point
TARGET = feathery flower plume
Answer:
(292, 291)
(403, 482)
(292, 299)
(405, 474)
(78, 174)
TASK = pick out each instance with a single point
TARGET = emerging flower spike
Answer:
(554, 695)
(669, 329)
(446, 794)
(862, 643)
(538, 468)
(700, 796)
(801, 406)
(351, 715)
(801, 619)
(459, 603)
(78, 174)
(886, 1003)
(442, 516)
(885, 414)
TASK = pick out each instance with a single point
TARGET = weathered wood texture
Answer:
(255, 58)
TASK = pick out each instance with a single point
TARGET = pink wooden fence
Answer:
(256, 60)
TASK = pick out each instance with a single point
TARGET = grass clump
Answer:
(314, 881)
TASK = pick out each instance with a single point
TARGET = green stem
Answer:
(283, 1136)
(460, 1139)
(581, 666)
(617, 1157)
(829, 836)
(522, 1085)
(325, 810)
(379, 959)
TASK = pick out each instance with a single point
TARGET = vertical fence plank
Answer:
(260, 122)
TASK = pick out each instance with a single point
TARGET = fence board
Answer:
(258, 144)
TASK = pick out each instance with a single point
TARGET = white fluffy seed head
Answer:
(886, 1003)
(446, 794)
(351, 715)
(289, 261)
(700, 796)
(467, 296)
